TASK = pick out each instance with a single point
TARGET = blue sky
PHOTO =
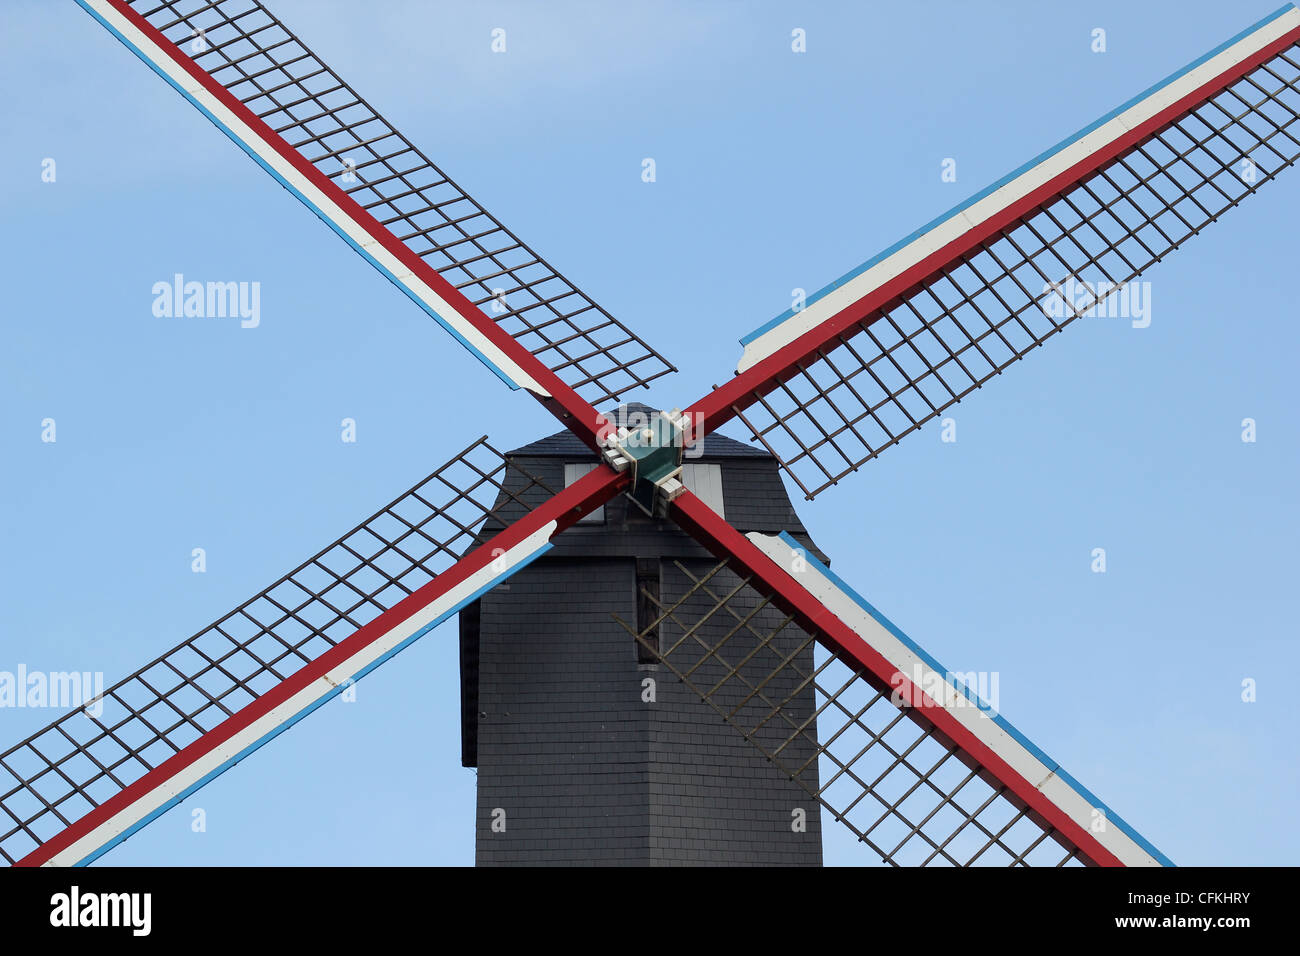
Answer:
(775, 171)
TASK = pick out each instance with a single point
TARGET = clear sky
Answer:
(775, 170)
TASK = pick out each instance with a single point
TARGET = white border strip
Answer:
(155, 802)
(840, 298)
(978, 721)
(317, 200)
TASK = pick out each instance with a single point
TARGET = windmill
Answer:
(907, 757)
(587, 747)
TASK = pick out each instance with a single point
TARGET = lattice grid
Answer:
(254, 56)
(882, 770)
(64, 770)
(1078, 255)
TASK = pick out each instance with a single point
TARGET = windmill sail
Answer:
(888, 347)
(74, 789)
(293, 114)
(909, 756)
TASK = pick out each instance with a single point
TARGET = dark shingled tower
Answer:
(573, 760)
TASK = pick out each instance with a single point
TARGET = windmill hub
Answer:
(653, 454)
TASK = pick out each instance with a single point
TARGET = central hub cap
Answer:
(652, 451)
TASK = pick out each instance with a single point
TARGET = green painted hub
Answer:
(655, 451)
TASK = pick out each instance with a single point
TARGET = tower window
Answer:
(704, 481)
(572, 472)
